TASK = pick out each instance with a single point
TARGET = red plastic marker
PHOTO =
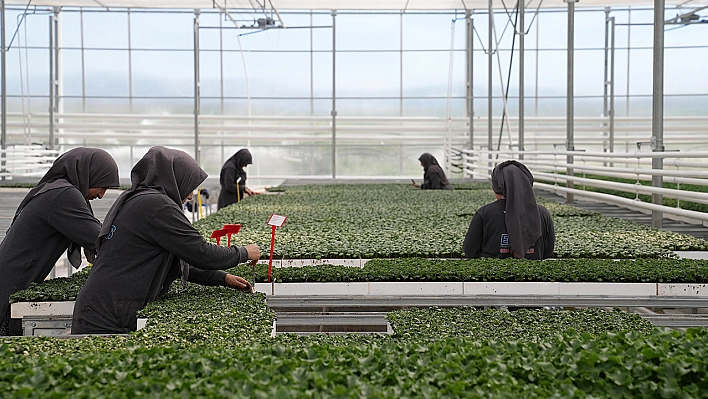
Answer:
(274, 221)
(231, 229)
(218, 234)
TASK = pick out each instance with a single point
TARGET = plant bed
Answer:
(213, 342)
(394, 220)
(677, 272)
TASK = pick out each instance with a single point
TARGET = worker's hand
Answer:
(254, 252)
(238, 283)
(250, 192)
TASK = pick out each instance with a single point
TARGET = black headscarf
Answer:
(82, 168)
(428, 160)
(173, 173)
(523, 221)
(240, 159)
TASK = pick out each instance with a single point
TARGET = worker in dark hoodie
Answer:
(55, 216)
(513, 225)
(233, 179)
(146, 243)
(433, 176)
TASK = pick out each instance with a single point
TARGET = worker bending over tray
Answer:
(513, 225)
(55, 216)
(147, 242)
(433, 176)
(233, 179)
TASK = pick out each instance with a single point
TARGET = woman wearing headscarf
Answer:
(55, 216)
(433, 176)
(233, 179)
(513, 225)
(147, 242)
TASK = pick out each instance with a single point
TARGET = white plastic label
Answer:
(277, 220)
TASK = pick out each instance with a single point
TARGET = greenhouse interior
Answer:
(354, 199)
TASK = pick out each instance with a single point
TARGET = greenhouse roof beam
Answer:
(404, 5)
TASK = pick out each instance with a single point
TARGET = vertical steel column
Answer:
(490, 69)
(196, 85)
(612, 86)
(130, 67)
(629, 52)
(470, 75)
(83, 62)
(221, 78)
(570, 111)
(51, 81)
(221, 72)
(538, 27)
(312, 70)
(3, 81)
(400, 70)
(606, 78)
(657, 120)
(312, 92)
(334, 94)
(58, 80)
(3, 95)
(522, 34)
(400, 91)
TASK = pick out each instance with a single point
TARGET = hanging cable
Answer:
(21, 18)
(506, 91)
(508, 81)
(538, 9)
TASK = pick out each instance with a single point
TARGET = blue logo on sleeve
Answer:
(113, 230)
(505, 241)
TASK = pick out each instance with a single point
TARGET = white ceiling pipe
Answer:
(596, 124)
(628, 155)
(653, 172)
(238, 139)
(461, 120)
(625, 201)
(669, 179)
(632, 188)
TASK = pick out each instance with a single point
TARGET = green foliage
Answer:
(56, 289)
(602, 237)
(200, 315)
(392, 221)
(215, 342)
(520, 325)
(665, 364)
(418, 269)
(501, 270)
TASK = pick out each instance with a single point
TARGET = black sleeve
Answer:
(229, 180)
(171, 230)
(206, 277)
(472, 246)
(70, 215)
(550, 235)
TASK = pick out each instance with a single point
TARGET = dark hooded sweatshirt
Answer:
(54, 217)
(433, 176)
(145, 244)
(515, 225)
(230, 173)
